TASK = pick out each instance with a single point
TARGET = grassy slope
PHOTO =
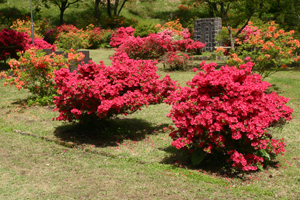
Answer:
(158, 11)
(128, 158)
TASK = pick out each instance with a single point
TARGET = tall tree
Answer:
(63, 5)
(113, 8)
(116, 5)
(97, 12)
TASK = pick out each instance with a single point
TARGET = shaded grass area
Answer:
(130, 157)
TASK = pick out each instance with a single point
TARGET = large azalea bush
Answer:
(99, 91)
(228, 112)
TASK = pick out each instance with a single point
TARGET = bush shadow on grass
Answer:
(105, 133)
(273, 88)
(211, 164)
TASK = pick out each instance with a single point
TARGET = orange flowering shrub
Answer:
(75, 40)
(35, 71)
(68, 36)
(174, 26)
(25, 26)
(270, 49)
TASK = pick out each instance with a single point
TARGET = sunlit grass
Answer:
(129, 156)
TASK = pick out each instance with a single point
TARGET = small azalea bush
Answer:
(39, 44)
(174, 26)
(270, 49)
(97, 37)
(228, 112)
(176, 61)
(18, 41)
(99, 91)
(75, 40)
(25, 26)
(51, 34)
(121, 35)
(154, 46)
(150, 47)
(12, 38)
(68, 36)
(35, 71)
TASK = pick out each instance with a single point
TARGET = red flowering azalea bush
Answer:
(100, 91)
(121, 35)
(11, 38)
(228, 112)
(18, 41)
(39, 44)
(150, 47)
(176, 61)
(154, 46)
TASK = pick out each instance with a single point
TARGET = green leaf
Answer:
(265, 154)
(198, 156)
(260, 167)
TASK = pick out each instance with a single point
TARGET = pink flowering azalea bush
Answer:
(158, 46)
(100, 91)
(39, 44)
(228, 112)
(121, 35)
(176, 61)
(150, 47)
(154, 46)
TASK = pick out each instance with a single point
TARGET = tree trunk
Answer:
(62, 8)
(124, 1)
(224, 13)
(97, 12)
(116, 7)
(108, 8)
(61, 19)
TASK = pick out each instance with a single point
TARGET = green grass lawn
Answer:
(128, 157)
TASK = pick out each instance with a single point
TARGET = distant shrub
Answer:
(121, 34)
(9, 38)
(143, 29)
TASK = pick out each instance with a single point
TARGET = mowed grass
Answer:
(128, 157)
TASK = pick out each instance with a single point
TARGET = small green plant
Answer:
(144, 29)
